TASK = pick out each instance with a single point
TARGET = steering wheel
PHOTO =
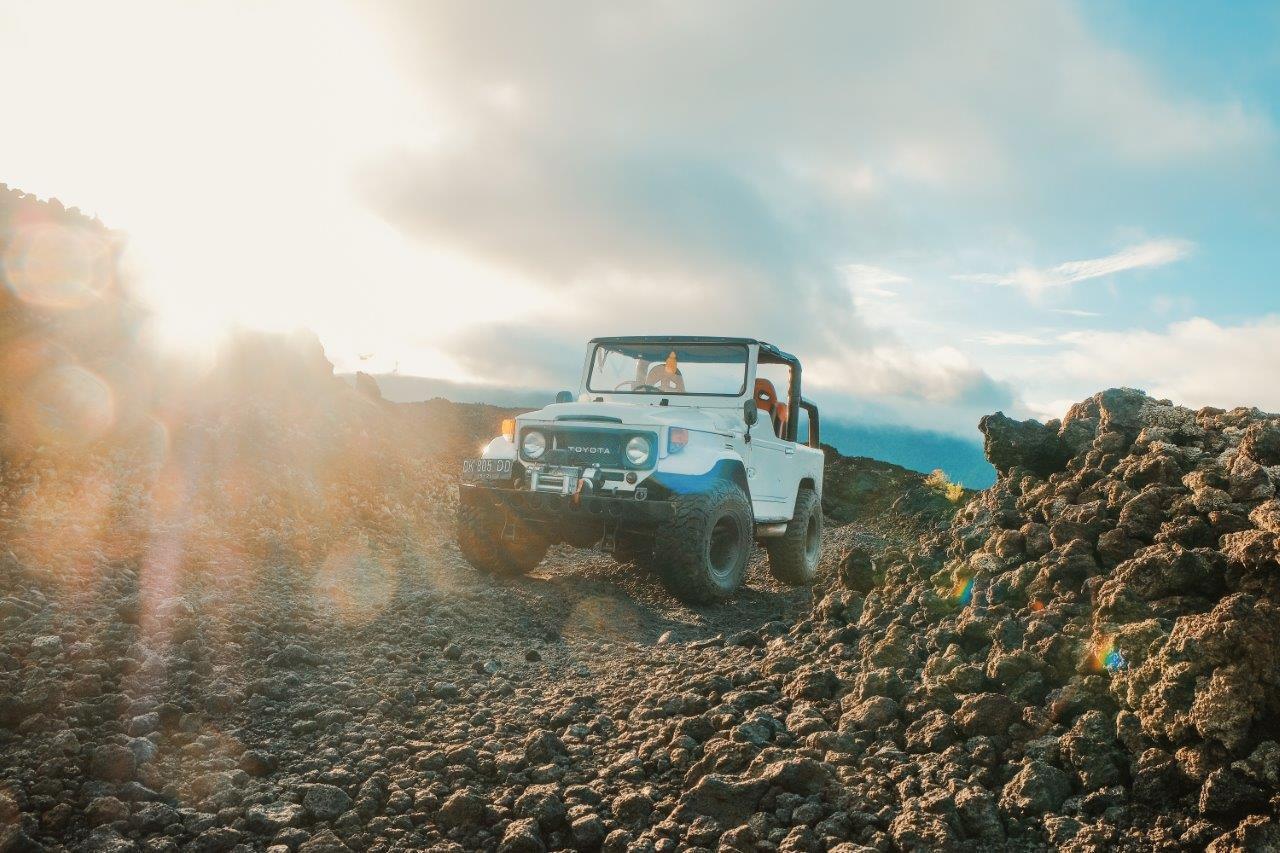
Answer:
(637, 386)
(671, 383)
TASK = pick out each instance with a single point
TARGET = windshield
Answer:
(711, 369)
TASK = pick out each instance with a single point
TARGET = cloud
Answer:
(1011, 339)
(519, 356)
(868, 280)
(937, 388)
(1153, 253)
(652, 168)
(1196, 362)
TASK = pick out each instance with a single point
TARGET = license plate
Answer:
(486, 469)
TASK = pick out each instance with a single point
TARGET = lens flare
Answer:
(355, 582)
(603, 617)
(1105, 656)
(51, 266)
(157, 440)
(64, 405)
(24, 357)
(962, 591)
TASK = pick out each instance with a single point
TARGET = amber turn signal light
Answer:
(509, 429)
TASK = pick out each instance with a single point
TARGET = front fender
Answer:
(724, 466)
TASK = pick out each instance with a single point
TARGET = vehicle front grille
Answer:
(583, 447)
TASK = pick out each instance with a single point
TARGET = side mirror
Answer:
(750, 413)
(564, 397)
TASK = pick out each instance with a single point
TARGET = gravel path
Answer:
(391, 698)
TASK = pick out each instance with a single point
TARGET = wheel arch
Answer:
(726, 468)
(734, 471)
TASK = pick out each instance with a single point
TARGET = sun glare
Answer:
(264, 229)
(49, 266)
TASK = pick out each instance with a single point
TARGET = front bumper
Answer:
(548, 507)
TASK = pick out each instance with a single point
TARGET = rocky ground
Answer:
(388, 697)
(235, 620)
(231, 619)
(1086, 659)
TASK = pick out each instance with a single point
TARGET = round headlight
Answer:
(638, 451)
(534, 444)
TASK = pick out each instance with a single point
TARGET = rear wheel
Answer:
(793, 557)
(480, 538)
(702, 554)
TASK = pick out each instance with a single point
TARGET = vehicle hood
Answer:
(707, 420)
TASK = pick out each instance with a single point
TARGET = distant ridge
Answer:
(398, 388)
(913, 448)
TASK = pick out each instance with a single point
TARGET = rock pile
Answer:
(1091, 656)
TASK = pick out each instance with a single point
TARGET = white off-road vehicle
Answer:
(677, 454)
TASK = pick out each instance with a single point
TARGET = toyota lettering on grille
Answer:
(577, 449)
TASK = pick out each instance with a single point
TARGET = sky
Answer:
(945, 209)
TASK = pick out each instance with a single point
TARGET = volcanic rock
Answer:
(1031, 445)
(325, 802)
(1037, 788)
(113, 763)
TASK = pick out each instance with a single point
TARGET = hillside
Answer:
(868, 491)
(918, 450)
(232, 618)
(304, 590)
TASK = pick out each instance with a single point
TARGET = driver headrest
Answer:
(766, 395)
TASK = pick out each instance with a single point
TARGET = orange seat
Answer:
(767, 401)
(766, 397)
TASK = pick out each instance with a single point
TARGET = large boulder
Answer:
(367, 386)
(113, 763)
(325, 802)
(1029, 444)
(1261, 442)
(857, 571)
(1216, 677)
(1037, 788)
(730, 801)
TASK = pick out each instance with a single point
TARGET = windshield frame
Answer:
(676, 345)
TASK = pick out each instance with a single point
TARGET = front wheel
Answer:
(702, 554)
(793, 557)
(480, 539)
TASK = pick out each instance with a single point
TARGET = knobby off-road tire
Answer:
(702, 554)
(793, 557)
(481, 543)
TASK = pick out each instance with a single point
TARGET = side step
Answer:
(771, 531)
